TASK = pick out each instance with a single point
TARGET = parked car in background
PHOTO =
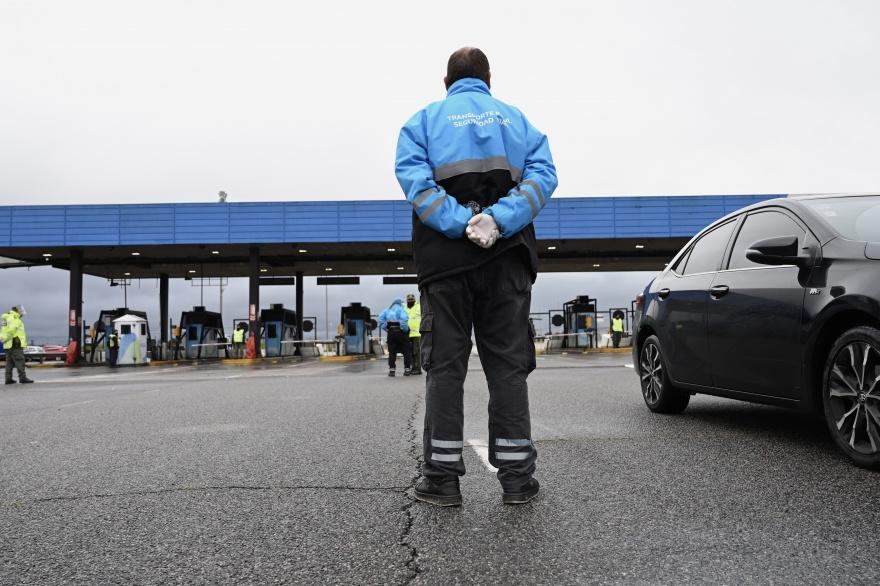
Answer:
(776, 303)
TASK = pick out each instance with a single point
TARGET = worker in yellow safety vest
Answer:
(113, 347)
(616, 328)
(15, 341)
(238, 342)
(414, 311)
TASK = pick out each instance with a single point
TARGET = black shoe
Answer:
(407, 372)
(391, 372)
(25, 381)
(523, 495)
(415, 372)
(10, 382)
(442, 494)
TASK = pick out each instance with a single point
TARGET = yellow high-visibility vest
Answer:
(415, 320)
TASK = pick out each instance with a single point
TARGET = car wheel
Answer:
(851, 395)
(657, 390)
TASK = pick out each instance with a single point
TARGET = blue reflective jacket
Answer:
(395, 313)
(471, 151)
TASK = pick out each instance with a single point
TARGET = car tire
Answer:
(851, 395)
(657, 390)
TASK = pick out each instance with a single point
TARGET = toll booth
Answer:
(279, 330)
(201, 334)
(100, 331)
(579, 323)
(356, 326)
(133, 340)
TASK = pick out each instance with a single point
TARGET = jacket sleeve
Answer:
(403, 318)
(521, 205)
(434, 207)
(383, 320)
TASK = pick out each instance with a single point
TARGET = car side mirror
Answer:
(782, 250)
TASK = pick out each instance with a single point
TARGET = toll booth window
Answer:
(272, 331)
(352, 328)
(193, 333)
(143, 329)
(126, 329)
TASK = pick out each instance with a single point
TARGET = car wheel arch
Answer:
(830, 327)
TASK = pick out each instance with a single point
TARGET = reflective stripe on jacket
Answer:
(415, 320)
(471, 150)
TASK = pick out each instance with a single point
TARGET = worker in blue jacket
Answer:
(395, 321)
(477, 174)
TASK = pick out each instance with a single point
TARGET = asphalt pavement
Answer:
(302, 473)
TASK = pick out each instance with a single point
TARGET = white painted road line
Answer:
(482, 451)
(629, 365)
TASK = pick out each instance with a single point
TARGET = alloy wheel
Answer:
(651, 373)
(854, 396)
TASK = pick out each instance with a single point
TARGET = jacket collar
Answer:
(468, 84)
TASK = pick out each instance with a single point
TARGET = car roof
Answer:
(829, 195)
(819, 226)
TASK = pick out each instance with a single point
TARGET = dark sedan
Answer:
(776, 303)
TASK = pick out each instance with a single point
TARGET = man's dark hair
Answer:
(467, 62)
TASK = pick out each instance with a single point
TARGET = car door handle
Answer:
(663, 293)
(718, 291)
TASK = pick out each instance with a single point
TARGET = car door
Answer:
(682, 299)
(755, 313)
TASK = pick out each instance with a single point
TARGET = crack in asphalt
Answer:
(279, 487)
(412, 564)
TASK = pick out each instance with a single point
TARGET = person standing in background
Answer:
(414, 310)
(395, 321)
(14, 340)
(113, 347)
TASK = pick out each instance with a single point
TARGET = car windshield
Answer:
(855, 218)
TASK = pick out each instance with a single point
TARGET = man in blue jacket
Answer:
(395, 321)
(476, 173)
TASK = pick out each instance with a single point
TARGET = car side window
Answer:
(760, 226)
(706, 253)
(678, 267)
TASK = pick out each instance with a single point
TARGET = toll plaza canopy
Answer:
(180, 240)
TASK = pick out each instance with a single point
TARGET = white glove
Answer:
(482, 230)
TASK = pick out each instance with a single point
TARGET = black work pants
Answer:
(114, 357)
(615, 339)
(416, 343)
(15, 359)
(398, 343)
(493, 300)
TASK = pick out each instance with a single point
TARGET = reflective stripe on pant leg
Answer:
(501, 327)
(445, 341)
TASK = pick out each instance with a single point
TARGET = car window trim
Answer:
(725, 252)
(725, 266)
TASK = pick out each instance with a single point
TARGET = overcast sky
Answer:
(120, 102)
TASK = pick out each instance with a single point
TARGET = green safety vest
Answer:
(617, 325)
(113, 342)
(13, 328)
(415, 319)
(238, 336)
